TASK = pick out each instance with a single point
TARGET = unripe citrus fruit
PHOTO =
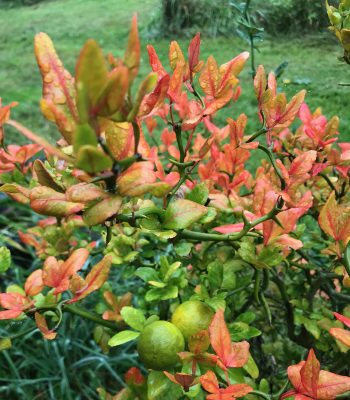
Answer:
(158, 345)
(191, 317)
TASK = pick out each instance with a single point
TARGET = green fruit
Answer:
(158, 345)
(191, 317)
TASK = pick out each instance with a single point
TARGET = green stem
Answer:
(330, 184)
(136, 136)
(256, 134)
(274, 165)
(261, 394)
(81, 312)
(199, 97)
(178, 133)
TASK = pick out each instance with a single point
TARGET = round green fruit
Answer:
(158, 345)
(191, 317)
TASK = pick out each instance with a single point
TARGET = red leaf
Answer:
(311, 383)
(14, 303)
(309, 373)
(154, 99)
(155, 63)
(231, 354)
(95, 279)
(343, 319)
(193, 54)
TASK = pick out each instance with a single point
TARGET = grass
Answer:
(312, 60)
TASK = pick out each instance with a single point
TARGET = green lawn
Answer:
(312, 59)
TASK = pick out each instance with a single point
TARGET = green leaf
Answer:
(92, 160)
(270, 256)
(147, 274)
(248, 317)
(133, 317)
(151, 319)
(84, 135)
(171, 270)
(218, 302)
(182, 213)
(312, 327)
(169, 292)
(5, 259)
(215, 274)
(161, 388)
(44, 177)
(209, 216)
(199, 194)
(91, 78)
(251, 368)
(183, 249)
(5, 343)
(229, 277)
(102, 210)
(123, 337)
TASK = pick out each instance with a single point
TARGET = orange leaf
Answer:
(209, 79)
(175, 55)
(4, 117)
(312, 383)
(231, 354)
(14, 304)
(34, 283)
(58, 102)
(41, 323)
(341, 334)
(132, 53)
(175, 84)
(37, 139)
(332, 385)
(101, 211)
(210, 383)
(334, 219)
(95, 278)
(56, 274)
(137, 179)
(260, 83)
(119, 138)
(47, 201)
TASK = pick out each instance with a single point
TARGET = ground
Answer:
(313, 59)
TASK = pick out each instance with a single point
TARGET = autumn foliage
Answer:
(149, 170)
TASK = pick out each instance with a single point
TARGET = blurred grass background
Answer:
(312, 57)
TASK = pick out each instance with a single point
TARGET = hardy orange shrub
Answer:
(214, 244)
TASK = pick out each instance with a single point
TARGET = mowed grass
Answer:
(313, 60)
